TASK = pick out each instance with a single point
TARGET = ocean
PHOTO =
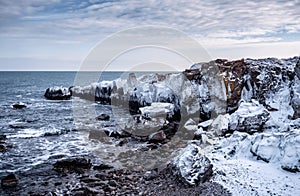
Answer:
(44, 131)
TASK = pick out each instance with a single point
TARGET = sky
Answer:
(60, 34)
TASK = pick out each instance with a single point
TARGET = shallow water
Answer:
(46, 130)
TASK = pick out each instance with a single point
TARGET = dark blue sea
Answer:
(45, 129)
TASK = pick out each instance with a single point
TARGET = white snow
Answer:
(157, 109)
(246, 175)
(192, 165)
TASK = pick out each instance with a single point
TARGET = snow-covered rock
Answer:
(192, 166)
(145, 94)
(58, 93)
(157, 110)
(250, 117)
(191, 125)
(221, 124)
(283, 148)
(98, 91)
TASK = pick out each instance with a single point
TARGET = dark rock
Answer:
(102, 167)
(72, 164)
(157, 137)
(104, 117)
(58, 93)
(17, 126)
(112, 183)
(2, 137)
(2, 148)
(9, 181)
(19, 106)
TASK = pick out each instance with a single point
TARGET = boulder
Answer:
(220, 125)
(191, 166)
(58, 93)
(250, 118)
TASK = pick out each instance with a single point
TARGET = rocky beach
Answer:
(218, 128)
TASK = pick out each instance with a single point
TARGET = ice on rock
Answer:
(157, 109)
(145, 94)
(58, 93)
(98, 91)
(192, 166)
(282, 148)
(250, 117)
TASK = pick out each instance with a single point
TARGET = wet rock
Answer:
(9, 181)
(116, 132)
(2, 148)
(72, 164)
(58, 93)
(192, 166)
(19, 105)
(2, 137)
(112, 183)
(102, 167)
(157, 137)
(103, 117)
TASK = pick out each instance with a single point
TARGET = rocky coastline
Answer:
(231, 113)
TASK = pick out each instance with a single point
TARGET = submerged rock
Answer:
(58, 93)
(192, 166)
(19, 105)
(9, 181)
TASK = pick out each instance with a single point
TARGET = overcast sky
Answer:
(59, 34)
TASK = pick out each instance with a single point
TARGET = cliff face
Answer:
(264, 80)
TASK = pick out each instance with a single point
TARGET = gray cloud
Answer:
(68, 22)
(212, 19)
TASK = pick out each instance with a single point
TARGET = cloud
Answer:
(84, 22)
(233, 19)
